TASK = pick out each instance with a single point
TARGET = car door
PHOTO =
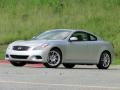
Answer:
(77, 50)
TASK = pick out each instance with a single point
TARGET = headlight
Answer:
(40, 47)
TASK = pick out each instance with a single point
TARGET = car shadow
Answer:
(75, 68)
(90, 68)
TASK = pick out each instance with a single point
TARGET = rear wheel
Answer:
(54, 59)
(17, 63)
(68, 65)
(105, 61)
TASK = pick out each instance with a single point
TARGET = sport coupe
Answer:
(62, 46)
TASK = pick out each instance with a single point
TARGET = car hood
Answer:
(29, 43)
(36, 42)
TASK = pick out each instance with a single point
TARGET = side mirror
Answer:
(73, 39)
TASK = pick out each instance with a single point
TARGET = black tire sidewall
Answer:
(68, 65)
(101, 62)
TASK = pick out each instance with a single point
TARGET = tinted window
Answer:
(92, 38)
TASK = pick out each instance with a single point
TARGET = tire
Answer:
(17, 63)
(105, 61)
(67, 65)
(54, 59)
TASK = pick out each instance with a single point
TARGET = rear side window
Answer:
(84, 36)
(92, 38)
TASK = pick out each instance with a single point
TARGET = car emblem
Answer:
(19, 48)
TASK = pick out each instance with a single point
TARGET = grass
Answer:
(21, 19)
(116, 61)
(2, 51)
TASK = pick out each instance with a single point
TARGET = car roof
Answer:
(73, 30)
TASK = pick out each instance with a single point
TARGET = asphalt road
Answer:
(41, 78)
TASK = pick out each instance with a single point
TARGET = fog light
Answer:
(38, 57)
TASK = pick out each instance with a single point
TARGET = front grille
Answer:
(20, 48)
(19, 56)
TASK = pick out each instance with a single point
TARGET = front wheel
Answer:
(54, 59)
(17, 63)
(105, 61)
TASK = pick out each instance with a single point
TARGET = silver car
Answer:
(62, 46)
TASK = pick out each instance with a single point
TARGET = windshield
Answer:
(54, 35)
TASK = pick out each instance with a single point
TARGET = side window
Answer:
(92, 38)
(82, 36)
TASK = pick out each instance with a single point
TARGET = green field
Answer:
(21, 19)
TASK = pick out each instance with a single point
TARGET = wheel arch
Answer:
(104, 52)
(60, 52)
(58, 49)
(107, 52)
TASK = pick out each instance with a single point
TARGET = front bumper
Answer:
(28, 56)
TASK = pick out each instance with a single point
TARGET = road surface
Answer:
(40, 78)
